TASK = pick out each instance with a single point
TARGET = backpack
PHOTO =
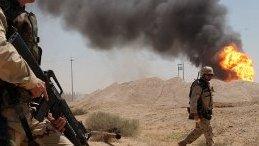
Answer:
(26, 25)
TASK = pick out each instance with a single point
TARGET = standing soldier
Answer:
(15, 70)
(201, 108)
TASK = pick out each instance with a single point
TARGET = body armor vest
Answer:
(202, 110)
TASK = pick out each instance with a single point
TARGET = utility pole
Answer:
(180, 67)
(183, 71)
(72, 80)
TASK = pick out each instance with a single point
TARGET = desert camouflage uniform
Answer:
(204, 126)
(14, 69)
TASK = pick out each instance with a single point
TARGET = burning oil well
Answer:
(194, 28)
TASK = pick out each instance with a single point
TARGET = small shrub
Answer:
(175, 136)
(113, 123)
(78, 111)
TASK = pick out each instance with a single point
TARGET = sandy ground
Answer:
(165, 123)
(165, 127)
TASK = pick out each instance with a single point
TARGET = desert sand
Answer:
(160, 106)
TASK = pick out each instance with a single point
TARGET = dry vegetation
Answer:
(102, 121)
(78, 111)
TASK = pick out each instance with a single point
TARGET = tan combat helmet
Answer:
(206, 70)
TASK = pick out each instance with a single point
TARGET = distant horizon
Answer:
(189, 82)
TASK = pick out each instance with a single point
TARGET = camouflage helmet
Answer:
(206, 70)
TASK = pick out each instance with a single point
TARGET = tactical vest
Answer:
(202, 111)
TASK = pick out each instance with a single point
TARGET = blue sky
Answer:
(97, 69)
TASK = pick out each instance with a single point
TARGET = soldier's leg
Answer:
(47, 135)
(15, 130)
(12, 138)
(17, 137)
(195, 134)
(52, 139)
(208, 134)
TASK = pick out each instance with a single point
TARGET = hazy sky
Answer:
(97, 69)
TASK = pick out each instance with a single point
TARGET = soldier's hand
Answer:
(59, 123)
(39, 90)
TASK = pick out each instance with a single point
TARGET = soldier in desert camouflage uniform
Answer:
(15, 70)
(201, 104)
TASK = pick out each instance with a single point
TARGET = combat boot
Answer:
(182, 143)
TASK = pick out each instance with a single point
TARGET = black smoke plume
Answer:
(194, 28)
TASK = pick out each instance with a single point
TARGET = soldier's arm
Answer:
(195, 95)
(13, 68)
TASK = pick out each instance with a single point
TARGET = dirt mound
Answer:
(170, 93)
(236, 91)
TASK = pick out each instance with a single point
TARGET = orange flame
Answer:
(236, 63)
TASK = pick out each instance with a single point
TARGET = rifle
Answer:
(74, 130)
